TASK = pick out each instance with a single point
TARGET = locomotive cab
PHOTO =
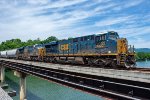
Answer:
(107, 42)
(112, 41)
(113, 35)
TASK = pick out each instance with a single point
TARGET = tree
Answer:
(17, 43)
(50, 39)
(70, 38)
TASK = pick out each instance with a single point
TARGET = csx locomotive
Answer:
(104, 50)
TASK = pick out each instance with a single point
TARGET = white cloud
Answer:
(113, 20)
(30, 19)
(128, 4)
(37, 2)
(133, 3)
(24, 19)
(140, 42)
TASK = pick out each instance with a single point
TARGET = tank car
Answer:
(4, 54)
(11, 53)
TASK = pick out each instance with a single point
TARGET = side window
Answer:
(103, 37)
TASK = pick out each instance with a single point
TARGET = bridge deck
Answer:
(4, 95)
(117, 84)
(140, 76)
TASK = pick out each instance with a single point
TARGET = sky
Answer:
(32, 19)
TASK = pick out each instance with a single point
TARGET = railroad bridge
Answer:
(116, 84)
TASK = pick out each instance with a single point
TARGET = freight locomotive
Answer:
(103, 50)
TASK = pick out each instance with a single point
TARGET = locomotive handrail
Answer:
(131, 49)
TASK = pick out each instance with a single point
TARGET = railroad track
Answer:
(106, 67)
(99, 85)
(141, 69)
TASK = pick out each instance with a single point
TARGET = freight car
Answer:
(11, 53)
(3, 54)
(102, 50)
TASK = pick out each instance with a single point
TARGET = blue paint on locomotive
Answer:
(112, 41)
(52, 47)
(20, 50)
(65, 42)
(101, 43)
(29, 49)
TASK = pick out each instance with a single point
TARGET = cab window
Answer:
(113, 36)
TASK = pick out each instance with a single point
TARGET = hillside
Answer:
(142, 49)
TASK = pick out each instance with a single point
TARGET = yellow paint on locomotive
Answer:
(41, 52)
(64, 47)
(122, 46)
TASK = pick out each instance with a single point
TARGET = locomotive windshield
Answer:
(113, 35)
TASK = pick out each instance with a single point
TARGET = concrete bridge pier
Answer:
(22, 77)
(2, 74)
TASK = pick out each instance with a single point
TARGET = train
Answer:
(102, 50)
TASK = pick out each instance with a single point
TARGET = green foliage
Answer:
(49, 39)
(70, 38)
(142, 56)
(17, 43)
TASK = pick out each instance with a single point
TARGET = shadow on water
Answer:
(15, 86)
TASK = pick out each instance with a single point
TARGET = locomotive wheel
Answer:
(100, 62)
(130, 62)
(130, 65)
(85, 61)
(114, 64)
(91, 61)
(54, 60)
(127, 65)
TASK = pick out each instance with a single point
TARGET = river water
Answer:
(144, 64)
(39, 89)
